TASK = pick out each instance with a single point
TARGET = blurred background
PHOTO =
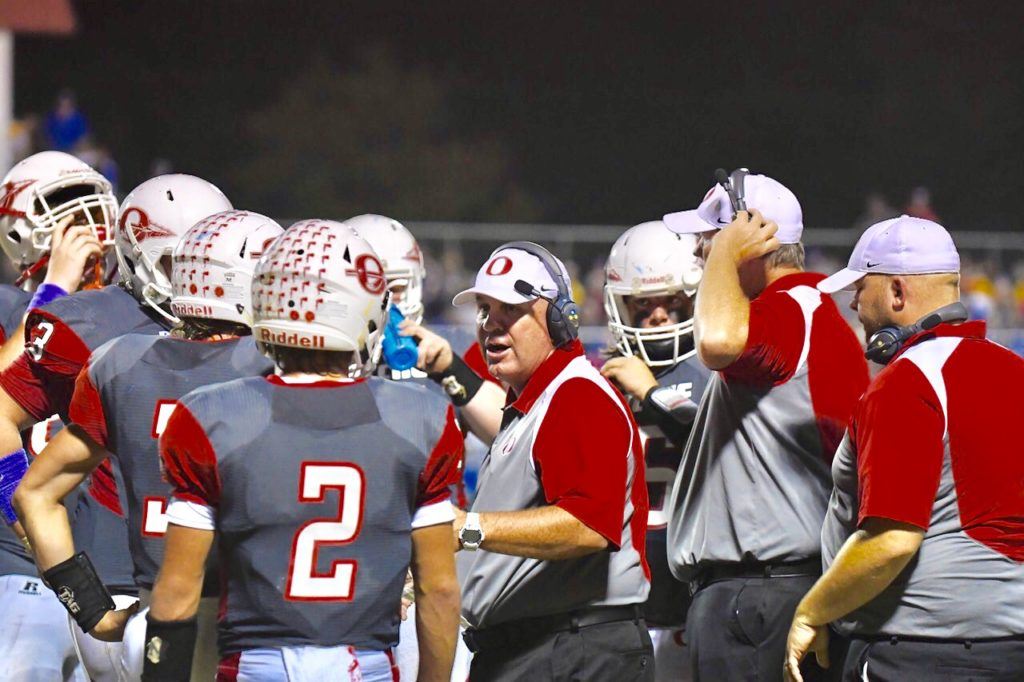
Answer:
(479, 122)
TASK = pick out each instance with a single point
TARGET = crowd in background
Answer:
(992, 285)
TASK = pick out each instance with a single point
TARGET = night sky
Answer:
(611, 112)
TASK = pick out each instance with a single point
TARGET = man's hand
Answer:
(111, 627)
(630, 374)
(457, 524)
(747, 237)
(435, 351)
(804, 637)
(71, 248)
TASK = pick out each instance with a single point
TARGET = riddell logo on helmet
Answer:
(191, 310)
(660, 279)
(294, 340)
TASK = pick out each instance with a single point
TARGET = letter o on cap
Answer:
(499, 266)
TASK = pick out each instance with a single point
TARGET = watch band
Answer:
(471, 535)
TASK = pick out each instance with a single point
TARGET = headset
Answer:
(886, 342)
(733, 185)
(563, 313)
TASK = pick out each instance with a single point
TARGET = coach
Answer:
(553, 570)
(748, 502)
(924, 536)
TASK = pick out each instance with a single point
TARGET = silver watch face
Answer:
(470, 536)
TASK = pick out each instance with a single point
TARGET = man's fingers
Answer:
(611, 365)
(821, 653)
(792, 669)
(410, 328)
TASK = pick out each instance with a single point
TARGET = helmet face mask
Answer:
(151, 220)
(42, 191)
(649, 261)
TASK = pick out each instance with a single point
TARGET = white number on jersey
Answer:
(37, 343)
(154, 509)
(304, 583)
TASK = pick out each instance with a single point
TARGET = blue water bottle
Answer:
(400, 352)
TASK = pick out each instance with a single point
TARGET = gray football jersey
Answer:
(124, 401)
(59, 339)
(315, 489)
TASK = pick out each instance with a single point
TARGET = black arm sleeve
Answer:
(670, 412)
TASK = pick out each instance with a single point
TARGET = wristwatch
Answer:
(471, 535)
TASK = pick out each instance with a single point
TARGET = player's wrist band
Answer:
(12, 470)
(168, 653)
(459, 381)
(80, 590)
(46, 293)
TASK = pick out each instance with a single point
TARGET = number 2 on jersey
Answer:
(154, 510)
(304, 583)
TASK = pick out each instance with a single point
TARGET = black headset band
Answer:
(547, 259)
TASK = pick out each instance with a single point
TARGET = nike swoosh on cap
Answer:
(871, 265)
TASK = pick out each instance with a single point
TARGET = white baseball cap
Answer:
(773, 199)
(498, 276)
(897, 246)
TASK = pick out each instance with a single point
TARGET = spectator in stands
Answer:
(876, 209)
(920, 205)
(66, 126)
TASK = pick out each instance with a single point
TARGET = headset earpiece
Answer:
(884, 344)
(563, 315)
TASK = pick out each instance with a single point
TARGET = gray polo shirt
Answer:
(754, 481)
(568, 440)
(934, 444)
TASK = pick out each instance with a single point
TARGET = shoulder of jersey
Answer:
(95, 304)
(13, 297)
(411, 393)
(207, 399)
(121, 353)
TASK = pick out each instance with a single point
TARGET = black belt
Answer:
(711, 573)
(965, 642)
(499, 635)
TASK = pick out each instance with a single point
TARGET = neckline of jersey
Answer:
(543, 376)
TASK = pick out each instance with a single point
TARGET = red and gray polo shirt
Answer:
(568, 440)
(754, 482)
(934, 444)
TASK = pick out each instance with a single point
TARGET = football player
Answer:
(59, 338)
(122, 400)
(55, 218)
(404, 270)
(320, 496)
(650, 280)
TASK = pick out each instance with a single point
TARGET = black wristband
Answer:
(80, 590)
(169, 648)
(459, 381)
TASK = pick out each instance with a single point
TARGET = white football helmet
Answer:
(213, 264)
(401, 256)
(651, 260)
(321, 287)
(38, 193)
(150, 222)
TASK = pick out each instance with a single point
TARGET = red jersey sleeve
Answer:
(86, 409)
(898, 432)
(42, 379)
(444, 466)
(188, 459)
(474, 357)
(775, 339)
(582, 452)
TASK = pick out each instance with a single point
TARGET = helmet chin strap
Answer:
(149, 294)
(31, 270)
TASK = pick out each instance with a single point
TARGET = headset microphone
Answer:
(526, 289)
(733, 185)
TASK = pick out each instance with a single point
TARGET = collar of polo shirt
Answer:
(544, 375)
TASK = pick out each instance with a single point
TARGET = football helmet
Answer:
(401, 256)
(150, 222)
(38, 193)
(651, 260)
(320, 286)
(213, 264)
